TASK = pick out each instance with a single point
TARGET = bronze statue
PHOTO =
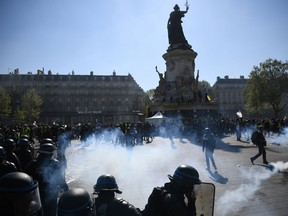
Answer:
(175, 31)
(160, 90)
(161, 78)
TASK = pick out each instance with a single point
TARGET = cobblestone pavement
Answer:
(241, 188)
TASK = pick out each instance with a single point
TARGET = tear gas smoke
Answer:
(280, 139)
(280, 166)
(234, 200)
(141, 166)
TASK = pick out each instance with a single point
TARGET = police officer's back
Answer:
(47, 171)
(5, 166)
(9, 147)
(106, 203)
(23, 153)
(177, 197)
(75, 202)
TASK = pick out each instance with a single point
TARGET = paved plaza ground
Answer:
(241, 188)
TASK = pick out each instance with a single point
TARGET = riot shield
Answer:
(205, 196)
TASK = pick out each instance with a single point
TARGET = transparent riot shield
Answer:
(205, 196)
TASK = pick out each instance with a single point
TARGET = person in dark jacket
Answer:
(178, 197)
(260, 142)
(106, 204)
(209, 144)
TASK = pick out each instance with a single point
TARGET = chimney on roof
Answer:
(241, 77)
(114, 73)
(226, 77)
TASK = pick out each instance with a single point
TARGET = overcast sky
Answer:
(130, 36)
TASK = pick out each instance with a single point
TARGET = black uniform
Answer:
(6, 167)
(47, 172)
(12, 157)
(170, 201)
(25, 156)
(107, 205)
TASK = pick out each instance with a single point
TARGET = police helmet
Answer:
(46, 148)
(19, 195)
(24, 136)
(2, 152)
(106, 182)
(185, 175)
(23, 143)
(46, 140)
(207, 131)
(9, 144)
(74, 202)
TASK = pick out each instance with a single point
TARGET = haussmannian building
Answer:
(73, 99)
(230, 95)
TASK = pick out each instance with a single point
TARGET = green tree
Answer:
(15, 94)
(5, 104)
(268, 87)
(18, 114)
(31, 105)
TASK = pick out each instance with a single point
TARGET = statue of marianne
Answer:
(175, 31)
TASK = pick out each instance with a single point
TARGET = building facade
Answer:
(73, 99)
(229, 94)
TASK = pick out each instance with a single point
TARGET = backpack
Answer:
(254, 137)
(154, 207)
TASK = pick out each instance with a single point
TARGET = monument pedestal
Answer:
(179, 63)
(177, 92)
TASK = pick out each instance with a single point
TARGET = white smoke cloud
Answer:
(234, 200)
(280, 166)
(280, 139)
(143, 166)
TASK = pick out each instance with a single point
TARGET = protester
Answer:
(209, 144)
(260, 141)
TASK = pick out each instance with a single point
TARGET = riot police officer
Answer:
(5, 166)
(19, 195)
(48, 172)
(106, 203)
(9, 147)
(177, 197)
(75, 202)
(23, 153)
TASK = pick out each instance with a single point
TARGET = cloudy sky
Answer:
(130, 36)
